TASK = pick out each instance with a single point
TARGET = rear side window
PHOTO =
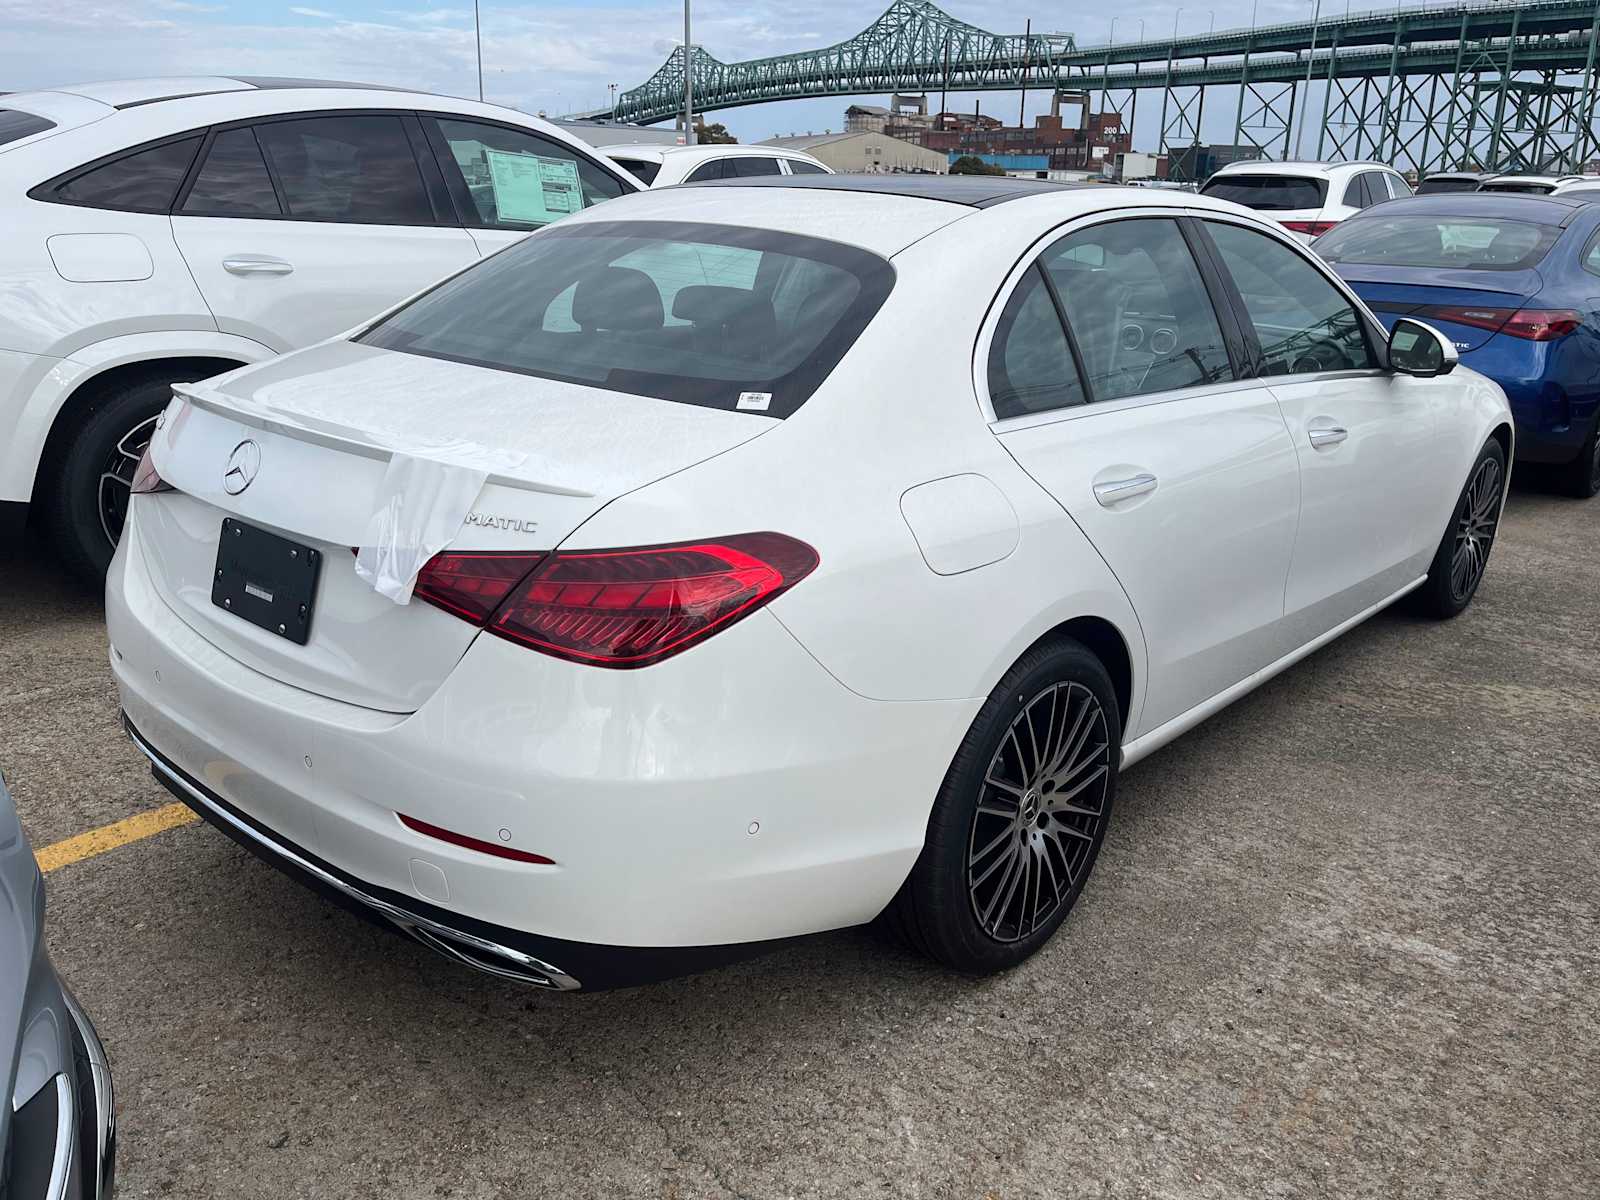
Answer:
(1271, 193)
(1405, 239)
(711, 170)
(1030, 361)
(799, 166)
(641, 169)
(509, 179)
(1138, 308)
(146, 181)
(678, 311)
(16, 125)
(749, 168)
(233, 180)
(357, 169)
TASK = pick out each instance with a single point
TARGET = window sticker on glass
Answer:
(532, 188)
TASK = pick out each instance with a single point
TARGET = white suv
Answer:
(662, 166)
(164, 230)
(1307, 198)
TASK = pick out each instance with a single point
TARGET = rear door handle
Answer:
(256, 266)
(1321, 438)
(1115, 490)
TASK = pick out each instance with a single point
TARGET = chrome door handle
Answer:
(1123, 489)
(1327, 437)
(256, 266)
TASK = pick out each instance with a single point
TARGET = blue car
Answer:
(1514, 281)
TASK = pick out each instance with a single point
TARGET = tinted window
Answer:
(1275, 193)
(717, 169)
(1030, 363)
(747, 168)
(642, 169)
(799, 166)
(1435, 184)
(1409, 239)
(681, 312)
(1138, 309)
(354, 169)
(143, 182)
(1302, 321)
(1355, 192)
(1521, 187)
(233, 180)
(16, 125)
(517, 180)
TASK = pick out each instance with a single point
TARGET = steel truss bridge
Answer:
(1492, 86)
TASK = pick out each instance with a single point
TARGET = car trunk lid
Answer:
(325, 424)
(1479, 300)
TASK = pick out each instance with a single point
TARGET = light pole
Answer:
(688, 80)
(1316, 15)
(477, 36)
(1113, 40)
(1213, 20)
(1175, 17)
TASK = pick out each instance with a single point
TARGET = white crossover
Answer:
(1307, 198)
(738, 561)
(163, 230)
(662, 166)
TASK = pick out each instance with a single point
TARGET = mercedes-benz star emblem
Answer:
(243, 464)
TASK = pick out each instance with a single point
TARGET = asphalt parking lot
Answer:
(1344, 940)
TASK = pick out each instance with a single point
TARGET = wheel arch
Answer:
(1106, 642)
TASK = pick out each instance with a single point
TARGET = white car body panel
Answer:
(1337, 175)
(777, 778)
(341, 273)
(674, 164)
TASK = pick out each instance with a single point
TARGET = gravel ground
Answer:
(1344, 940)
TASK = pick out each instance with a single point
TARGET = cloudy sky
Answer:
(557, 56)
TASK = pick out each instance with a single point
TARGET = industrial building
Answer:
(866, 153)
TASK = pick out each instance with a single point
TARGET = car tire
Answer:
(88, 488)
(1050, 734)
(1581, 477)
(1463, 554)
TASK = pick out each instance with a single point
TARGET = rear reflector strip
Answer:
(472, 843)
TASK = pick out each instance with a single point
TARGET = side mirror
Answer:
(1421, 350)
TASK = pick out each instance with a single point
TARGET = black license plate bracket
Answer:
(265, 579)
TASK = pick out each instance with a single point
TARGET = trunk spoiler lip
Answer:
(348, 439)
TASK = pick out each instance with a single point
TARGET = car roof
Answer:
(1513, 177)
(1544, 210)
(132, 93)
(973, 191)
(1256, 166)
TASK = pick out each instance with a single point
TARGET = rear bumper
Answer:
(1551, 388)
(732, 796)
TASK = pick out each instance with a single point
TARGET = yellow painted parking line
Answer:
(109, 837)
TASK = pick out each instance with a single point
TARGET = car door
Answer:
(298, 228)
(506, 182)
(1180, 472)
(1369, 463)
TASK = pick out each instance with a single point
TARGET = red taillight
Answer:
(1314, 228)
(146, 479)
(631, 608)
(472, 843)
(1542, 324)
(1534, 324)
(472, 583)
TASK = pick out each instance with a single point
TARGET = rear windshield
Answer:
(746, 319)
(1274, 193)
(1412, 240)
(642, 168)
(1518, 185)
(1430, 187)
(16, 125)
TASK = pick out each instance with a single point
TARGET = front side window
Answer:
(355, 169)
(1302, 321)
(516, 180)
(1138, 308)
(146, 181)
(677, 311)
(1398, 187)
(233, 180)
(1398, 238)
(799, 166)
(716, 169)
(749, 168)
(1030, 361)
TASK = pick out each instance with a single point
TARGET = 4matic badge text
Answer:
(490, 521)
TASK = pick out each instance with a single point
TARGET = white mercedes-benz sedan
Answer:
(745, 560)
